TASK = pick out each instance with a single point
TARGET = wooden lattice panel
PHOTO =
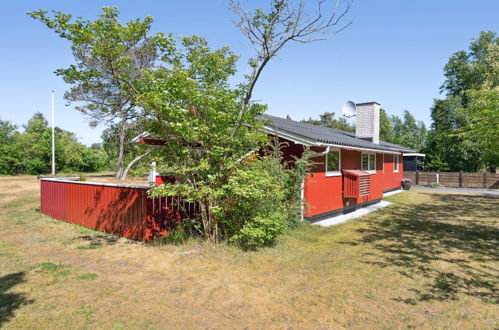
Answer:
(364, 185)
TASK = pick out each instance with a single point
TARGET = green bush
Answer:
(263, 199)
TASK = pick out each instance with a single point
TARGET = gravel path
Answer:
(460, 190)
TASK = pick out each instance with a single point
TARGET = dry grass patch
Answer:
(428, 260)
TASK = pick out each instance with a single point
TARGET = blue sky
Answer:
(393, 53)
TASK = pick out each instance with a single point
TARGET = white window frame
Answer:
(396, 163)
(333, 173)
(370, 154)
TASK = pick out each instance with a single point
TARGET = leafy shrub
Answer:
(263, 199)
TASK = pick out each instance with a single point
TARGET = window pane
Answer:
(333, 161)
(365, 162)
(372, 162)
(396, 162)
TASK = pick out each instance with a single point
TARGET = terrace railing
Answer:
(118, 209)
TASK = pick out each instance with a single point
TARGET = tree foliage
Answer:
(328, 119)
(466, 123)
(470, 70)
(29, 151)
(192, 106)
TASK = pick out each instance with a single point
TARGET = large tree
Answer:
(192, 106)
(110, 58)
(466, 123)
(469, 70)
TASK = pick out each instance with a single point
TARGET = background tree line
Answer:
(28, 151)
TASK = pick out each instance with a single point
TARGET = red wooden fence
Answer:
(117, 209)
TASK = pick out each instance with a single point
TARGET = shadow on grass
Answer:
(416, 237)
(10, 302)
(100, 239)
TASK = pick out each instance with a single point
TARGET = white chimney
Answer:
(367, 122)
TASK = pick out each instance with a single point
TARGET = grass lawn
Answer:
(428, 260)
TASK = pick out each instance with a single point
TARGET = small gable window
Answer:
(333, 160)
(368, 162)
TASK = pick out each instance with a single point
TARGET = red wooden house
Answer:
(353, 170)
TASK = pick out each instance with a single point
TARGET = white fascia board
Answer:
(141, 136)
(291, 137)
(360, 149)
(413, 154)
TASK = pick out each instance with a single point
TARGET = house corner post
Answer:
(417, 177)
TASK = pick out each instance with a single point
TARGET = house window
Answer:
(333, 161)
(395, 163)
(368, 162)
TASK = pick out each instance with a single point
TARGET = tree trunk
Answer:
(121, 156)
(129, 166)
(210, 226)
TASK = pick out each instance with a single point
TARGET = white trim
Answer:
(309, 142)
(396, 162)
(332, 173)
(393, 192)
(413, 154)
(289, 136)
(97, 183)
(142, 135)
(383, 164)
(368, 170)
(352, 215)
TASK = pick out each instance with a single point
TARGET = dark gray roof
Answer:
(327, 135)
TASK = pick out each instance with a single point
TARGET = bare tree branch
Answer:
(286, 21)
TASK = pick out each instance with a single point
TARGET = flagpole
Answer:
(53, 136)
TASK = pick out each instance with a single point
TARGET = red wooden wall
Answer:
(324, 193)
(117, 209)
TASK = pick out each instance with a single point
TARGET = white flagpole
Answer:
(53, 136)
